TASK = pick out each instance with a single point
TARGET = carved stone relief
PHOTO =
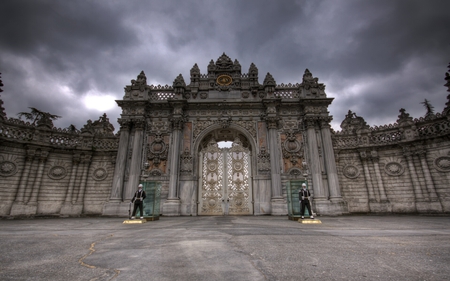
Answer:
(58, 171)
(8, 166)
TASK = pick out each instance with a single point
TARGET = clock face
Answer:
(224, 80)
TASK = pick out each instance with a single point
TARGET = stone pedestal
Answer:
(20, 209)
(70, 209)
(279, 207)
(171, 207)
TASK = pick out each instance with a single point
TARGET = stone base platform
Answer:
(310, 221)
(296, 218)
(144, 220)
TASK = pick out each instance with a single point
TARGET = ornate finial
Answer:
(351, 114)
(179, 81)
(253, 70)
(195, 71)
(269, 80)
(403, 114)
(141, 80)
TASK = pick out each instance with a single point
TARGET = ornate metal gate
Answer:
(225, 186)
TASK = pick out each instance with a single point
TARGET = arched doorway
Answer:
(225, 186)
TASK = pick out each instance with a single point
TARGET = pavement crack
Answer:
(91, 251)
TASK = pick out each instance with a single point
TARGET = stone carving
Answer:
(58, 171)
(353, 123)
(100, 127)
(442, 163)
(100, 172)
(350, 171)
(292, 148)
(157, 150)
(186, 162)
(245, 95)
(8, 166)
(312, 84)
(139, 83)
(394, 168)
(263, 161)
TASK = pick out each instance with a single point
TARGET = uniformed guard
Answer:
(138, 200)
(305, 196)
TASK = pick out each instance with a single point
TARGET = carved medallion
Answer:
(100, 174)
(7, 168)
(442, 163)
(350, 171)
(57, 172)
(224, 80)
(394, 169)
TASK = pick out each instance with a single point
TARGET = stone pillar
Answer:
(24, 177)
(73, 176)
(86, 161)
(330, 162)
(114, 206)
(414, 179)
(278, 203)
(375, 160)
(435, 204)
(19, 202)
(121, 161)
(38, 181)
(367, 177)
(172, 206)
(314, 162)
(383, 205)
(66, 208)
(136, 160)
(275, 165)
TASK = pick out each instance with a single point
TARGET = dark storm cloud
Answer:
(375, 57)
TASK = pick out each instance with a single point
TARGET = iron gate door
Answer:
(225, 186)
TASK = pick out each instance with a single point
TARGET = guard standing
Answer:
(304, 195)
(138, 200)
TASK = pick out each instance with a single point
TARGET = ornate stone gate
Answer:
(280, 133)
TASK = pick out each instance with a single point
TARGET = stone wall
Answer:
(399, 168)
(50, 171)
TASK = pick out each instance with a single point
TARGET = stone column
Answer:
(37, 183)
(86, 161)
(435, 204)
(73, 176)
(314, 161)
(367, 177)
(419, 199)
(121, 161)
(66, 208)
(136, 160)
(114, 205)
(171, 206)
(274, 154)
(330, 162)
(24, 178)
(18, 207)
(375, 160)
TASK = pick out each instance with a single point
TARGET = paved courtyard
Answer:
(227, 248)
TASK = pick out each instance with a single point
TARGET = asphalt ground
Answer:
(226, 248)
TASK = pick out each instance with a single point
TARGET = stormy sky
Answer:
(73, 58)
